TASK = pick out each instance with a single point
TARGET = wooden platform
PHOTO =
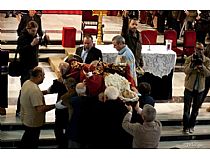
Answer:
(56, 60)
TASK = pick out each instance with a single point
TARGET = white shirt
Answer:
(84, 54)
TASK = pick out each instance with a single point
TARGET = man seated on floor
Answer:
(88, 52)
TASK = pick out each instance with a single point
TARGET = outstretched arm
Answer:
(125, 24)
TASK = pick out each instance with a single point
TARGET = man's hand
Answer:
(187, 12)
(137, 108)
(199, 67)
(125, 13)
(129, 107)
(35, 41)
(59, 105)
(198, 17)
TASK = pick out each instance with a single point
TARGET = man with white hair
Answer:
(81, 89)
(111, 93)
(80, 128)
(146, 135)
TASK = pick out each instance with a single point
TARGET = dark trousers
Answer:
(61, 122)
(190, 25)
(174, 24)
(201, 36)
(206, 90)
(191, 99)
(24, 76)
(30, 138)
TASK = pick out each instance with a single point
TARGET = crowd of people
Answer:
(179, 20)
(89, 112)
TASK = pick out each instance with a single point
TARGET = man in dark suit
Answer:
(88, 52)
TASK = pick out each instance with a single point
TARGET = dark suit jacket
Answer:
(93, 54)
(83, 121)
(112, 135)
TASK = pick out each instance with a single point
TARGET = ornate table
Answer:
(159, 65)
(158, 61)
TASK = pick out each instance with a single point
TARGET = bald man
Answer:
(33, 109)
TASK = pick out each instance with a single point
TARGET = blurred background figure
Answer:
(202, 26)
(31, 15)
(8, 12)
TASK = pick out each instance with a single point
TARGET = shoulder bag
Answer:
(15, 67)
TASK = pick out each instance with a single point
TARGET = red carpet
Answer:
(77, 12)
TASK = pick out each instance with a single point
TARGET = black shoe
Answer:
(185, 131)
(7, 16)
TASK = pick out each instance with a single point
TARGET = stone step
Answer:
(174, 133)
(42, 49)
(10, 126)
(170, 114)
(171, 136)
(187, 144)
(11, 139)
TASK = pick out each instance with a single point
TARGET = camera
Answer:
(197, 59)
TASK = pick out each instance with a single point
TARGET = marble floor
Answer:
(54, 23)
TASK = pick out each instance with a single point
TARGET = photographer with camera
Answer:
(196, 68)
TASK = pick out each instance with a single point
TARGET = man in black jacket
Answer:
(27, 47)
(31, 15)
(88, 52)
(132, 37)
